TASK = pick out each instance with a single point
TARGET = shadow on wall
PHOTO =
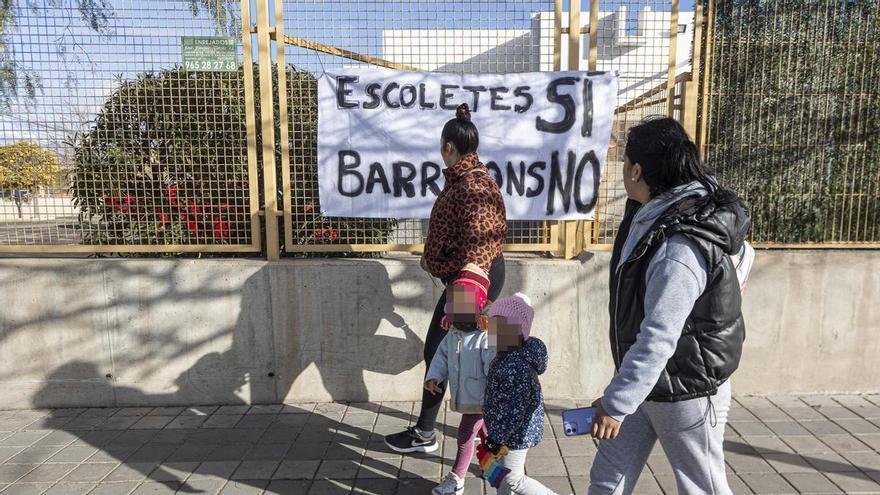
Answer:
(163, 336)
(205, 445)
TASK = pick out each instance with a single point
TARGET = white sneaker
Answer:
(451, 485)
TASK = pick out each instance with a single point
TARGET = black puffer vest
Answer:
(710, 346)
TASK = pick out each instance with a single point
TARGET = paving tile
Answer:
(659, 464)
(23, 438)
(268, 451)
(769, 413)
(837, 412)
(255, 470)
(764, 483)
(744, 428)
(266, 409)
(331, 487)
(7, 453)
(74, 453)
(374, 486)
(237, 409)
(57, 438)
(200, 410)
(245, 487)
(335, 469)
(417, 467)
(255, 421)
(27, 488)
(34, 455)
(152, 423)
(297, 487)
(740, 414)
(10, 473)
(736, 484)
(576, 447)
(747, 464)
(822, 427)
(854, 482)
(811, 483)
(186, 422)
(152, 453)
(858, 426)
(868, 412)
(545, 467)
(830, 463)
(865, 461)
(64, 488)
(667, 483)
(90, 472)
(646, 485)
(131, 472)
(379, 468)
(557, 484)
(803, 412)
(297, 470)
(204, 486)
(787, 428)
(157, 488)
(788, 463)
(115, 488)
(844, 443)
(806, 445)
(173, 471)
(96, 438)
(222, 421)
(768, 445)
(307, 451)
(215, 470)
(872, 440)
(47, 473)
(118, 423)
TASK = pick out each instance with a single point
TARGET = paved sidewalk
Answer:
(815, 444)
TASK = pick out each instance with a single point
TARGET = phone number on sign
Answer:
(208, 65)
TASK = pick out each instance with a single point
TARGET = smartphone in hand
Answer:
(578, 421)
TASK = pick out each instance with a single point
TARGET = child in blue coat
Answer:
(514, 404)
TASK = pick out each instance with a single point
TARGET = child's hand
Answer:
(432, 386)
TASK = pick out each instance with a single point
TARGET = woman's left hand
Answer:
(604, 426)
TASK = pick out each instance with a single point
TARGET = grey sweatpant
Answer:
(691, 435)
(516, 482)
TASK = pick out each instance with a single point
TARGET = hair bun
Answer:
(463, 113)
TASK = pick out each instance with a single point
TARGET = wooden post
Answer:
(251, 123)
(267, 124)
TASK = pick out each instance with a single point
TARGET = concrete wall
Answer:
(165, 332)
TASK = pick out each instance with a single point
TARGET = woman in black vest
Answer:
(676, 321)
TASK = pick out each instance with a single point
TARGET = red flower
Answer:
(127, 199)
(334, 234)
(221, 228)
(192, 225)
(319, 233)
(224, 206)
(172, 191)
(193, 208)
(163, 218)
(309, 208)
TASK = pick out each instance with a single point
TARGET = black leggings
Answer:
(431, 403)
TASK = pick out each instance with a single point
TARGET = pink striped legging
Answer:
(471, 425)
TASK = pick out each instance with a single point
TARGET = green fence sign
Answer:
(209, 53)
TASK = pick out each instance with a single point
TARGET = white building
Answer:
(635, 43)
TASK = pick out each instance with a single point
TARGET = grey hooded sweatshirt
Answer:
(675, 279)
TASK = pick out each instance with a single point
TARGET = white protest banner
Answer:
(543, 136)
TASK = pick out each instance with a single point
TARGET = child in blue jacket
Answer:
(514, 405)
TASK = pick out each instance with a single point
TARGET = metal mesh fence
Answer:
(634, 38)
(106, 140)
(444, 36)
(792, 116)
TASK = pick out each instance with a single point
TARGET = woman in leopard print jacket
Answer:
(468, 226)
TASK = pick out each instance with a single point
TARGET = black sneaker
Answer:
(411, 440)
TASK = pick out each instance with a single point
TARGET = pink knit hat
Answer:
(517, 309)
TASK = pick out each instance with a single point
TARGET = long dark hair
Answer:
(461, 132)
(667, 155)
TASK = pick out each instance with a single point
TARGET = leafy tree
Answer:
(793, 119)
(26, 165)
(166, 163)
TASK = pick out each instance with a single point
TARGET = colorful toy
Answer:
(493, 471)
